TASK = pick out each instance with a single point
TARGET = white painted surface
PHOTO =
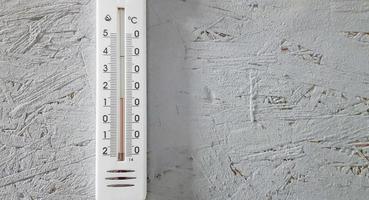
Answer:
(264, 99)
(124, 51)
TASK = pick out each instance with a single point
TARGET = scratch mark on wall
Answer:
(358, 36)
(253, 94)
(302, 52)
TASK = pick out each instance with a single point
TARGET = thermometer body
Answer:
(121, 100)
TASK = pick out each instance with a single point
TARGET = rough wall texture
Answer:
(47, 104)
(248, 99)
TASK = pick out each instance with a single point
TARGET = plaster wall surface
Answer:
(248, 99)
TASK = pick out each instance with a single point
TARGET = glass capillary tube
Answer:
(121, 35)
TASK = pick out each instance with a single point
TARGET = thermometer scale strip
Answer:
(129, 126)
(113, 96)
(121, 113)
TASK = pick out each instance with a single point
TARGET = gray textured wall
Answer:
(248, 99)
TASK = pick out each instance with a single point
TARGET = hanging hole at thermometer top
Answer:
(108, 18)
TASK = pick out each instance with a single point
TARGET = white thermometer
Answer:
(121, 100)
